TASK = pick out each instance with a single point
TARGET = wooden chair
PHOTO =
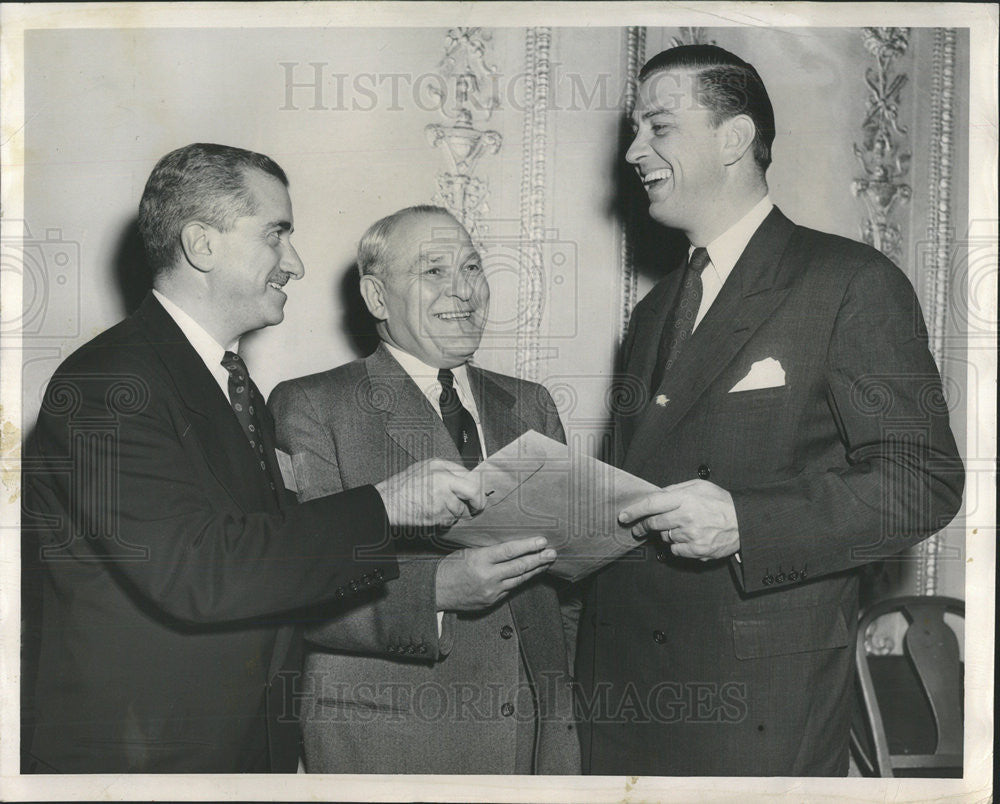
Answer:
(931, 658)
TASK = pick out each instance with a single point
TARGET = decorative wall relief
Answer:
(530, 295)
(690, 36)
(940, 236)
(883, 154)
(471, 104)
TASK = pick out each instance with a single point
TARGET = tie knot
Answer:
(699, 259)
(233, 363)
(446, 378)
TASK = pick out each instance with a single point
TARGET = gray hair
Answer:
(203, 182)
(373, 256)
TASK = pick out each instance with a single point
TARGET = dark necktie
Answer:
(245, 399)
(458, 421)
(680, 324)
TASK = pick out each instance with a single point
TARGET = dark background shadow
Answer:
(356, 322)
(656, 250)
(132, 273)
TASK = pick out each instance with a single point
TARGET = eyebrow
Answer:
(656, 111)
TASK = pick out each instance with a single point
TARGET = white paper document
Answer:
(538, 486)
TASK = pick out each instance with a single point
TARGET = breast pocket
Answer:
(750, 433)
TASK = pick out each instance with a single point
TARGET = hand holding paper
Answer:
(539, 487)
(477, 577)
(697, 519)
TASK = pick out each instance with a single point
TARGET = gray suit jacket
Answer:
(383, 693)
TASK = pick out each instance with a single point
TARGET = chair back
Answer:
(931, 648)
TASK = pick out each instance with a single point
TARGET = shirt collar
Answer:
(728, 247)
(427, 376)
(204, 344)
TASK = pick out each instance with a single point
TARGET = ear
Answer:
(739, 136)
(197, 242)
(373, 292)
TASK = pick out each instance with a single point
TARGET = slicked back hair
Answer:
(373, 251)
(726, 85)
(199, 182)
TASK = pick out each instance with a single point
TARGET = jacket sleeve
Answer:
(904, 478)
(397, 620)
(114, 475)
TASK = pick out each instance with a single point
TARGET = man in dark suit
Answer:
(460, 665)
(169, 558)
(796, 422)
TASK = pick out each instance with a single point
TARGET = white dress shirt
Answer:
(426, 378)
(725, 251)
(205, 345)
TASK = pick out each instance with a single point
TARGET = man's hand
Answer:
(477, 577)
(696, 518)
(432, 493)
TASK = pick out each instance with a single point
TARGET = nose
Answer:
(291, 263)
(462, 287)
(636, 149)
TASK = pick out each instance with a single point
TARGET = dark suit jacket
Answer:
(382, 693)
(720, 667)
(168, 565)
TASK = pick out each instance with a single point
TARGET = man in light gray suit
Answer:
(460, 665)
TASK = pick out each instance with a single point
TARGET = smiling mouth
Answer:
(278, 286)
(656, 178)
(457, 315)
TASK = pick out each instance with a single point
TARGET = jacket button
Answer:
(793, 576)
(410, 649)
(767, 580)
(366, 579)
(354, 586)
(379, 575)
(662, 554)
(423, 648)
(704, 471)
(507, 709)
(659, 637)
(339, 592)
(802, 575)
(780, 577)
(506, 632)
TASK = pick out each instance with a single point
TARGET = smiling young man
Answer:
(779, 363)
(162, 553)
(459, 666)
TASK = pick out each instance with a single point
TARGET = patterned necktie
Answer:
(680, 324)
(458, 421)
(245, 399)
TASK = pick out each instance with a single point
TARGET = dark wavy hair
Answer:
(726, 85)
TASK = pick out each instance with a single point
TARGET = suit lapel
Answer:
(753, 290)
(217, 430)
(497, 411)
(410, 421)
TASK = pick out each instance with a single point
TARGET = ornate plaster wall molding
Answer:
(940, 236)
(472, 102)
(883, 154)
(635, 57)
(530, 292)
(690, 36)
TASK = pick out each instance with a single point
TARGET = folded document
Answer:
(538, 486)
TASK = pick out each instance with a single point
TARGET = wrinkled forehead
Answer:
(669, 91)
(425, 237)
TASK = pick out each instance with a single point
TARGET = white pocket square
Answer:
(766, 373)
